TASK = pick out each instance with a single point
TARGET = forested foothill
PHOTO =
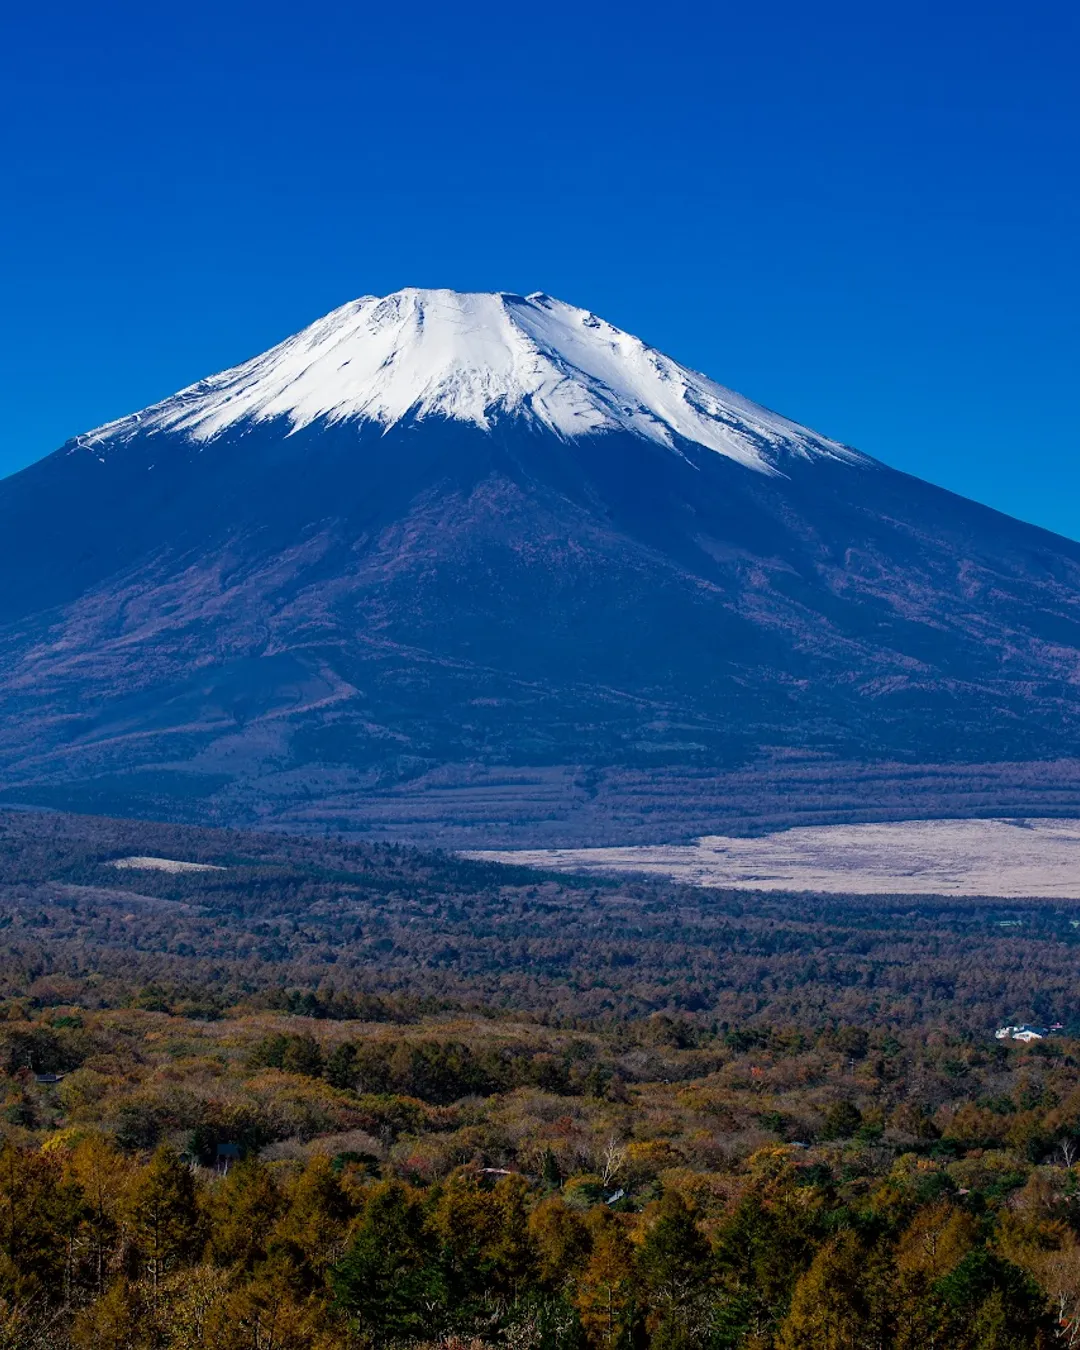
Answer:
(352, 1095)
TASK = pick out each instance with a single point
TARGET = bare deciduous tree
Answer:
(613, 1160)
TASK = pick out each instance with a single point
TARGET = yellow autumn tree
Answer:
(605, 1291)
(841, 1302)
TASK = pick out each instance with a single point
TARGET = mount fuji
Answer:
(482, 567)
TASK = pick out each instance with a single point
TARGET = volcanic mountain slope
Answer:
(490, 550)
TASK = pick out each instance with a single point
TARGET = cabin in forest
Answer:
(1021, 1033)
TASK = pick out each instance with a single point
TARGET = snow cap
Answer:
(474, 357)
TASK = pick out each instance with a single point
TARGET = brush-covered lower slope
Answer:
(283, 623)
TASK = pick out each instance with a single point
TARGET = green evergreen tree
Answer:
(990, 1304)
(340, 1069)
(674, 1265)
(390, 1279)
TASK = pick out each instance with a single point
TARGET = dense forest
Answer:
(337, 1095)
(359, 926)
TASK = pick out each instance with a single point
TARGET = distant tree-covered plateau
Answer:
(324, 1094)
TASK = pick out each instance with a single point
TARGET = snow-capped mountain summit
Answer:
(485, 568)
(470, 357)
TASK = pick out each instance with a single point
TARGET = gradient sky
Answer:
(864, 216)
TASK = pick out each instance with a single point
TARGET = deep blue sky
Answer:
(865, 216)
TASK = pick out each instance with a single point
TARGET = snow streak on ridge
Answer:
(471, 357)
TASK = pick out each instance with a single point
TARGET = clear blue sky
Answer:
(865, 216)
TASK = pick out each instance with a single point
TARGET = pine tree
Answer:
(31, 1224)
(243, 1211)
(119, 1320)
(310, 1234)
(513, 1254)
(605, 1291)
(390, 1278)
(562, 1241)
(674, 1258)
(842, 1302)
(101, 1173)
(990, 1304)
(163, 1213)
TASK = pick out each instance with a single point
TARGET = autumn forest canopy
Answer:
(328, 1094)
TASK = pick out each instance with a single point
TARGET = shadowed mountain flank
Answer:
(487, 568)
